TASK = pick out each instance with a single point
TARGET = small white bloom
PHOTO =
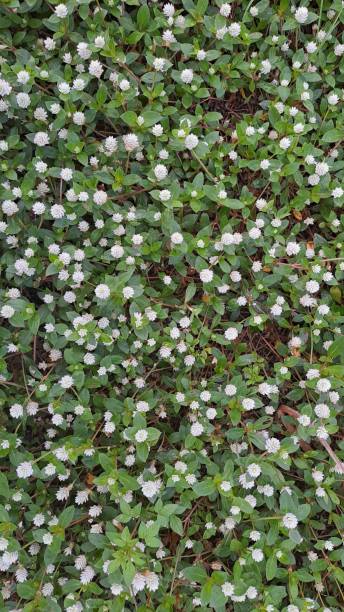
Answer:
(206, 275)
(290, 521)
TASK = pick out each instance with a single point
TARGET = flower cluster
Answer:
(171, 306)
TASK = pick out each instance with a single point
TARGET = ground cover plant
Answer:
(172, 254)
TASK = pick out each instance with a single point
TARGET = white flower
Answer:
(252, 593)
(168, 37)
(102, 292)
(99, 197)
(254, 233)
(131, 142)
(61, 11)
(321, 168)
(7, 311)
(117, 251)
(24, 470)
(99, 42)
(285, 143)
(64, 88)
(301, 14)
(150, 488)
(225, 486)
(257, 555)
(234, 29)
(272, 445)
(230, 390)
(9, 207)
(168, 10)
(66, 174)
(191, 141)
(124, 85)
(21, 574)
(312, 286)
(254, 470)
(116, 589)
(152, 581)
(227, 589)
(206, 275)
(128, 292)
(225, 9)
(186, 75)
(333, 99)
(23, 100)
(41, 139)
(231, 333)
(292, 248)
(111, 144)
(38, 208)
(338, 192)
(157, 130)
(141, 435)
(79, 118)
(5, 88)
(138, 583)
(159, 64)
(322, 411)
(266, 66)
(290, 521)
(16, 411)
(23, 77)
(160, 172)
(177, 238)
(66, 382)
(248, 403)
(87, 575)
(165, 195)
(323, 385)
(57, 211)
(96, 69)
(196, 429)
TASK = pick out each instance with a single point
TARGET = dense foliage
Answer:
(172, 252)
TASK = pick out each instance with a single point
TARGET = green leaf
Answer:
(190, 292)
(4, 488)
(201, 6)
(339, 574)
(271, 567)
(195, 573)
(130, 118)
(332, 135)
(176, 525)
(26, 590)
(303, 511)
(101, 95)
(66, 516)
(234, 204)
(142, 450)
(143, 17)
(204, 488)
(337, 349)
(150, 118)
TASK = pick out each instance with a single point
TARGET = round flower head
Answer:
(206, 276)
(301, 14)
(131, 142)
(186, 75)
(290, 521)
(102, 292)
(191, 141)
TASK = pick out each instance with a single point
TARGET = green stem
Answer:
(203, 166)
